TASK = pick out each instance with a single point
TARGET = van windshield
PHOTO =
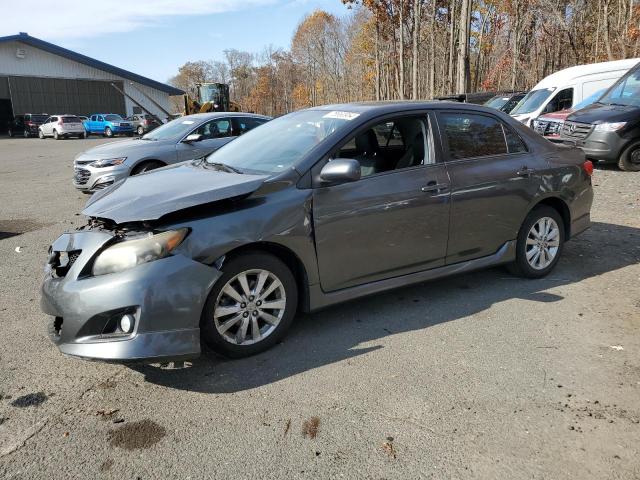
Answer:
(625, 91)
(532, 101)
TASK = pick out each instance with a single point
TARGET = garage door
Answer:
(58, 95)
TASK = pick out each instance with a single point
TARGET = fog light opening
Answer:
(127, 323)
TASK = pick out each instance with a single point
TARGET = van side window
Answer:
(563, 100)
(469, 135)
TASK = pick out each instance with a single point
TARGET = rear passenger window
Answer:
(470, 135)
(514, 142)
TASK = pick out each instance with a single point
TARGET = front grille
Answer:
(81, 176)
(576, 130)
(548, 127)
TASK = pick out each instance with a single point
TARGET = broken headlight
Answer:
(128, 254)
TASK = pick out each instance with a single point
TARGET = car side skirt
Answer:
(319, 299)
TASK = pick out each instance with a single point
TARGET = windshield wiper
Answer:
(223, 166)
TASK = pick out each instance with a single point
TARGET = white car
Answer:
(62, 126)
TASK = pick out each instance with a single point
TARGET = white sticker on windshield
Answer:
(341, 115)
(187, 122)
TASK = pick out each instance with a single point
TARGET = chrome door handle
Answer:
(432, 187)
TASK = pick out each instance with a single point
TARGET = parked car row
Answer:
(595, 107)
(66, 126)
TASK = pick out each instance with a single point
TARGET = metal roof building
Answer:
(40, 77)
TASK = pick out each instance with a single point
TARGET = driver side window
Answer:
(218, 128)
(563, 100)
(391, 145)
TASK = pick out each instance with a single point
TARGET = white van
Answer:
(568, 87)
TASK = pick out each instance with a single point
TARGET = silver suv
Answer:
(62, 126)
(185, 138)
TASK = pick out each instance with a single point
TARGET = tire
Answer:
(26, 134)
(40, 134)
(140, 131)
(146, 167)
(55, 135)
(538, 266)
(630, 159)
(82, 135)
(272, 324)
(108, 132)
(10, 133)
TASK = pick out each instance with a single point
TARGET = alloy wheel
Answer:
(635, 156)
(543, 242)
(249, 307)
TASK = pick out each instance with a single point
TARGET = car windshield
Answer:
(279, 144)
(625, 91)
(112, 117)
(173, 129)
(532, 101)
(497, 102)
(589, 100)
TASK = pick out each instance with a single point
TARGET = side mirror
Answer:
(194, 137)
(340, 170)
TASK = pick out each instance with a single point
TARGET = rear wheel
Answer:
(539, 244)
(140, 131)
(250, 307)
(630, 158)
(55, 135)
(10, 133)
(26, 134)
(108, 132)
(147, 166)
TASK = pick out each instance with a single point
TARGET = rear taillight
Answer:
(587, 166)
(29, 124)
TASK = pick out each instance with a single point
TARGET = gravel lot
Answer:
(477, 376)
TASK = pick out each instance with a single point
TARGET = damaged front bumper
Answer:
(164, 298)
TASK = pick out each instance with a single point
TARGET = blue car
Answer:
(108, 124)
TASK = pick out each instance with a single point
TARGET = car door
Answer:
(395, 219)
(493, 180)
(47, 126)
(215, 133)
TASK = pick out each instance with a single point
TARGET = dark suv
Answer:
(608, 130)
(27, 124)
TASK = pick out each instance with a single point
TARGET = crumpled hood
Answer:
(119, 148)
(599, 113)
(151, 195)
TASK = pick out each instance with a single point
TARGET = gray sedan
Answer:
(182, 139)
(314, 208)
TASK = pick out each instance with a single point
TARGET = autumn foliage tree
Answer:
(394, 49)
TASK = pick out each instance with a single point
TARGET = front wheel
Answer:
(40, 134)
(108, 132)
(630, 159)
(250, 307)
(539, 244)
(10, 133)
(26, 134)
(140, 131)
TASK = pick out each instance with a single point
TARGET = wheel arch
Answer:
(559, 205)
(288, 257)
(146, 160)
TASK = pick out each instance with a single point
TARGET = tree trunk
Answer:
(462, 84)
(432, 52)
(416, 39)
(401, 53)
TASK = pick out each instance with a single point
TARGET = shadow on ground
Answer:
(335, 334)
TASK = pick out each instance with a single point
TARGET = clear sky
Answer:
(154, 37)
